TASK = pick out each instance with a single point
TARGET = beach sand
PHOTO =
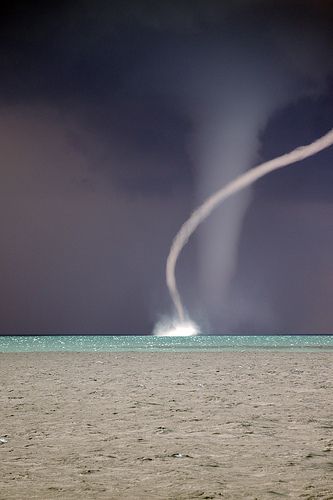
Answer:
(251, 425)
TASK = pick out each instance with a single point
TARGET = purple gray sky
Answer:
(118, 118)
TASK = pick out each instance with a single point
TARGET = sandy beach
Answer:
(255, 425)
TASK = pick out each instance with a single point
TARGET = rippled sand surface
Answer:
(234, 425)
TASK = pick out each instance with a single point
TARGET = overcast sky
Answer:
(117, 119)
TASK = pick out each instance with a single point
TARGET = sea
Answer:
(147, 343)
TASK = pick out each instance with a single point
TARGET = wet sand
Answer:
(256, 425)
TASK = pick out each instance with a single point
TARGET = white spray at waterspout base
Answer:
(204, 210)
(176, 328)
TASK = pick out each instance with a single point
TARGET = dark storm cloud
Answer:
(97, 164)
(82, 52)
(63, 58)
(94, 59)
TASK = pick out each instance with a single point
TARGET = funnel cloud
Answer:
(202, 212)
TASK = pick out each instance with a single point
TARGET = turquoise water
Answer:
(112, 343)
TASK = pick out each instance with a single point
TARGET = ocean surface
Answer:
(122, 343)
